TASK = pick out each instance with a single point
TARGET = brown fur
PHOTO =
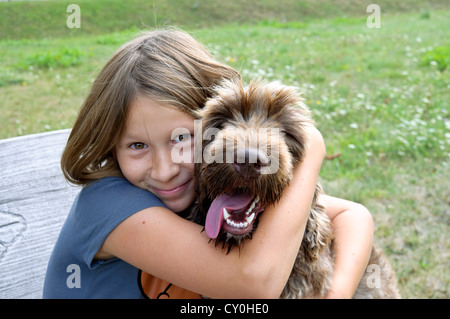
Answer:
(239, 113)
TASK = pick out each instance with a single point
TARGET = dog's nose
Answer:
(249, 161)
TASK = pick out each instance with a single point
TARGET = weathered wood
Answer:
(34, 202)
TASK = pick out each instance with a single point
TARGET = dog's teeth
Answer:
(225, 213)
(256, 199)
(231, 223)
(250, 218)
(237, 225)
(251, 208)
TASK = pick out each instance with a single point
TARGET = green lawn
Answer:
(380, 98)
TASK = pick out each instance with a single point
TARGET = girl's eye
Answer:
(138, 146)
(182, 138)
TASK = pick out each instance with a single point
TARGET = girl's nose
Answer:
(163, 168)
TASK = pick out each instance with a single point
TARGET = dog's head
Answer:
(252, 139)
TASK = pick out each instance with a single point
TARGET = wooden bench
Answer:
(34, 202)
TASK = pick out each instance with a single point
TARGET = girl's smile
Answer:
(168, 193)
(144, 152)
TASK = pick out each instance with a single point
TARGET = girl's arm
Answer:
(353, 229)
(171, 248)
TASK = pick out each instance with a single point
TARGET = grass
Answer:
(380, 98)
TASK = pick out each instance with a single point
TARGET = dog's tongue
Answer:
(214, 217)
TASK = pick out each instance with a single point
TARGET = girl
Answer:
(125, 236)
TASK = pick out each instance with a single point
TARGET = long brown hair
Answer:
(168, 65)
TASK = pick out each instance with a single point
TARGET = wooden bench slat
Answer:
(34, 202)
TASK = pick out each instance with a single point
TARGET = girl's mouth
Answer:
(170, 192)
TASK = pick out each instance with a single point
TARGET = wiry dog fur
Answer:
(239, 113)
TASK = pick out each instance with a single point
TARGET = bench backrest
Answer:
(34, 202)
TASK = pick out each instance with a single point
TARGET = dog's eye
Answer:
(182, 138)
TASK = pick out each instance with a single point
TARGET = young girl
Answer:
(125, 236)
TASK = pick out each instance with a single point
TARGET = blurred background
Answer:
(378, 86)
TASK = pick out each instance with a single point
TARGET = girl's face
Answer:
(146, 148)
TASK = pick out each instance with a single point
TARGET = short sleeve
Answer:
(101, 207)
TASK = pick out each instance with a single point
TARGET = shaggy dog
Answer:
(252, 139)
